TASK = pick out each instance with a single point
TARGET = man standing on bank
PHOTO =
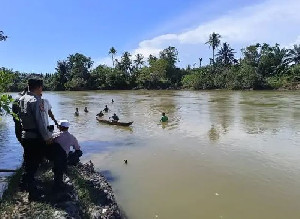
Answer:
(36, 138)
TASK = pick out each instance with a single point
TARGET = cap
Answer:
(64, 123)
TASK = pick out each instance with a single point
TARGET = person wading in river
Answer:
(164, 118)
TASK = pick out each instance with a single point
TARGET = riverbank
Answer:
(88, 195)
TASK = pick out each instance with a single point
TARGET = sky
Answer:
(42, 32)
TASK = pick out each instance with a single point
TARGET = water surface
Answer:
(221, 155)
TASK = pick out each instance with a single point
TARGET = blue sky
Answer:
(43, 32)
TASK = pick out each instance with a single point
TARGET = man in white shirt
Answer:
(65, 140)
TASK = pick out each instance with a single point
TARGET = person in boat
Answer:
(115, 118)
(76, 112)
(164, 118)
(86, 110)
(100, 114)
(65, 140)
(106, 109)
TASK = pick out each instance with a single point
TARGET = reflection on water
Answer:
(222, 154)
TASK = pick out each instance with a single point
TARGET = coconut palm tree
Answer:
(214, 42)
(112, 52)
(226, 55)
(294, 55)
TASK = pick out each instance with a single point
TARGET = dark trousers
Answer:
(33, 155)
(55, 153)
(34, 152)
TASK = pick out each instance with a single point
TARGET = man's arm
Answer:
(52, 116)
(75, 143)
(42, 129)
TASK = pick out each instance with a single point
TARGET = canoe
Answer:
(114, 123)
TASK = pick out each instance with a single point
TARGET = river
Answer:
(223, 154)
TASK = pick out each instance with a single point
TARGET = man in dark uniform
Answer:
(36, 138)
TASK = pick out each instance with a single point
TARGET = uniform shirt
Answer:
(46, 107)
(31, 116)
(66, 140)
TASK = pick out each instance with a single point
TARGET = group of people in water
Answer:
(115, 118)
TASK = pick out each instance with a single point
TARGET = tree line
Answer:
(262, 66)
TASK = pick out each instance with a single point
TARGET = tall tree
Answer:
(126, 62)
(151, 59)
(225, 55)
(2, 36)
(112, 52)
(63, 74)
(214, 42)
(170, 54)
(138, 60)
(252, 54)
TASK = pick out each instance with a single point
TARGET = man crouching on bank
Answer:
(65, 140)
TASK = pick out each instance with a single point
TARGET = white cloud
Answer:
(273, 21)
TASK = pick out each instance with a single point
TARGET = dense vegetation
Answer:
(261, 66)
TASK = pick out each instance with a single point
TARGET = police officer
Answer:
(35, 134)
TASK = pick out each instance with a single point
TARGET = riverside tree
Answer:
(214, 42)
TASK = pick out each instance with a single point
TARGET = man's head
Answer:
(77, 109)
(63, 125)
(35, 86)
(115, 114)
(163, 114)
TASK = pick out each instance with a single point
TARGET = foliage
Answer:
(139, 60)
(225, 56)
(2, 36)
(294, 55)
(6, 77)
(200, 78)
(261, 66)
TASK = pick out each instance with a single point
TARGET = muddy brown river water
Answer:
(223, 154)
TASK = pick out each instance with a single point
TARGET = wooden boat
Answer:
(114, 122)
